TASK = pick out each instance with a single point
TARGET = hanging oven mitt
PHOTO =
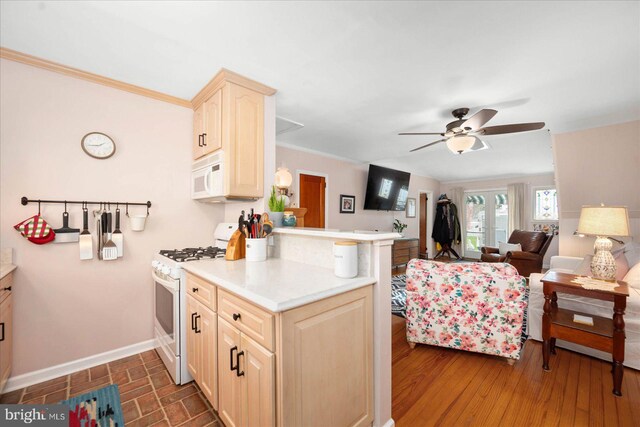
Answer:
(36, 230)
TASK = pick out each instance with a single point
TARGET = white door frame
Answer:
(430, 212)
(489, 219)
(326, 191)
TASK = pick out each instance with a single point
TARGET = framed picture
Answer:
(411, 207)
(347, 204)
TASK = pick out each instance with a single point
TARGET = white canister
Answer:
(256, 249)
(345, 255)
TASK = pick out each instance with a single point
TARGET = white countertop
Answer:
(6, 269)
(276, 284)
(363, 236)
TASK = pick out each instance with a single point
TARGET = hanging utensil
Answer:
(117, 236)
(109, 251)
(98, 214)
(86, 241)
(66, 234)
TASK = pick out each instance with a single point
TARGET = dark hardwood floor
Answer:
(434, 386)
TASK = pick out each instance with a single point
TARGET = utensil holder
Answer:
(256, 249)
(137, 222)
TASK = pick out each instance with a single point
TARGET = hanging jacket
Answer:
(456, 233)
(441, 233)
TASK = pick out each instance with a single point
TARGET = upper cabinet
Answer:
(229, 116)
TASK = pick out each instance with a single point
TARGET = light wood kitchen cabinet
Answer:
(202, 346)
(247, 379)
(229, 115)
(207, 126)
(6, 329)
(326, 362)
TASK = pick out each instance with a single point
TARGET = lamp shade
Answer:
(283, 178)
(604, 221)
(458, 144)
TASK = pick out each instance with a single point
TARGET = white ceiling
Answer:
(357, 73)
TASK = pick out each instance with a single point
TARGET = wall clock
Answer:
(98, 145)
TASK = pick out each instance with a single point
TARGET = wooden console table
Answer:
(402, 251)
(605, 334)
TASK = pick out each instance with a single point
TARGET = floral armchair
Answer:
(476, 307)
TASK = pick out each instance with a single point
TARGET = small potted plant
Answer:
(399, 227)
(276, 207)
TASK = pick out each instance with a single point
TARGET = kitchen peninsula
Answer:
(296, 345)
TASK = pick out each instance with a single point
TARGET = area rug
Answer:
(399, 301)
(98, 408)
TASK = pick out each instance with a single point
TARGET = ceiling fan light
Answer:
(458, 144)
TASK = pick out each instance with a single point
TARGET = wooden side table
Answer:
(605, 334)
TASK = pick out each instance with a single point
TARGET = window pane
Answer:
(501, 218)
(475, 222)
(546, 205)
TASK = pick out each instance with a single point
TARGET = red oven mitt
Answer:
(36, 230)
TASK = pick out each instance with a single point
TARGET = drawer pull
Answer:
(204, 139)
(238, 372)
(2, 327)
(236, 316)
(194, 290)
(231, 350)
(193, 326)
(200, 140)
(8, 288)
(196, 321)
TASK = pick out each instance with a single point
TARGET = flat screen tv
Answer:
(387, 189)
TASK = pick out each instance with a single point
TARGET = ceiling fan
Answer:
(462, 134)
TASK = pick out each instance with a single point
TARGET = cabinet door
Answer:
(208, 368)
(229, 384)
(213, 123)
(193, 343)
(258, 389)
(198, 130)
(245, 152)
(6, 344)
(327, 368)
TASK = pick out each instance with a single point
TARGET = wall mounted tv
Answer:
(387, 189)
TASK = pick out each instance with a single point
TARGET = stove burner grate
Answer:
(193, 254)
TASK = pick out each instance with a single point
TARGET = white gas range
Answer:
(170, 297)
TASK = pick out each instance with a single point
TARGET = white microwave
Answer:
(207, 178)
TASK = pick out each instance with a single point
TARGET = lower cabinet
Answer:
(6, 339)
(202, 348)
(247, 379)
(308, 366)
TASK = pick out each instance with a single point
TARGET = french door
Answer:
(486, 219)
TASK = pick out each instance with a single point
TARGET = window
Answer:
(545, 204)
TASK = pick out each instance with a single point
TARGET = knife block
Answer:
(235, 247)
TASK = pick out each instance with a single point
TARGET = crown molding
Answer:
(45, 64)
(224, 76)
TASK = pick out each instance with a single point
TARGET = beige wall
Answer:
(530, 181)
(345, 177)
(64, 308)
(600, 165)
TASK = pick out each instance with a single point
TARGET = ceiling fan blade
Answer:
(479, 119)
(519, 127)
(428, 145)
(421, 133)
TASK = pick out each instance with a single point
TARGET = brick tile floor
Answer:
(148, 395)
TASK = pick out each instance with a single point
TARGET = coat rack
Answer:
(25, 201)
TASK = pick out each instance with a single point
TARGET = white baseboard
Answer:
(35, 377)
(389, 423)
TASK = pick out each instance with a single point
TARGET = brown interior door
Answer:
(312, 189)
(423, 226)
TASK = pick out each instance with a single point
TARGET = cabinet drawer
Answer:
(403, 244)
(253, 321)
(202, 291)
(413, 253)
(401, 253)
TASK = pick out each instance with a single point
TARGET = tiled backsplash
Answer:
(317, 251)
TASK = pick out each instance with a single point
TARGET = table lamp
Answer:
(602, 221)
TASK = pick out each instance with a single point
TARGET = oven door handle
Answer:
(173, 287)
